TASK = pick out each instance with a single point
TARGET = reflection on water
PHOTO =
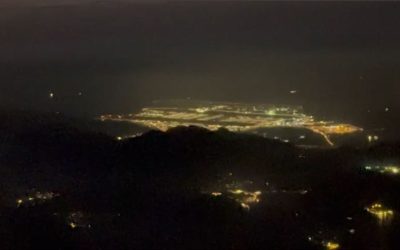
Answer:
(385, 218)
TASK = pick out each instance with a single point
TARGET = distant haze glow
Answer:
(340, 58)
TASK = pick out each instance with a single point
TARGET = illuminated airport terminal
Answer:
(236, 117)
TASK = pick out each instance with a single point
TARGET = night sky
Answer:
(343, 58)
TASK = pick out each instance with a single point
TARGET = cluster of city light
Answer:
(235, 117)
(243, 197)
(331, 245)
(381, 212)
(246, 197)
(35, 198)
(388, 169)
(235, 189)
(77, 220)
(327, 244)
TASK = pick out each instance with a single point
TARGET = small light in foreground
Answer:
(241, 196)
(245, 206)
(19, 202)
(215, 194)
(330, 245)
(237, 191)
(372, 138)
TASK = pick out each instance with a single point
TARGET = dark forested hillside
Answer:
(65, 185)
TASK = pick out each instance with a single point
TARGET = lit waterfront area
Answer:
(236, 117)
(382, 213)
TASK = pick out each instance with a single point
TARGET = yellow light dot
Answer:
(237, 191)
